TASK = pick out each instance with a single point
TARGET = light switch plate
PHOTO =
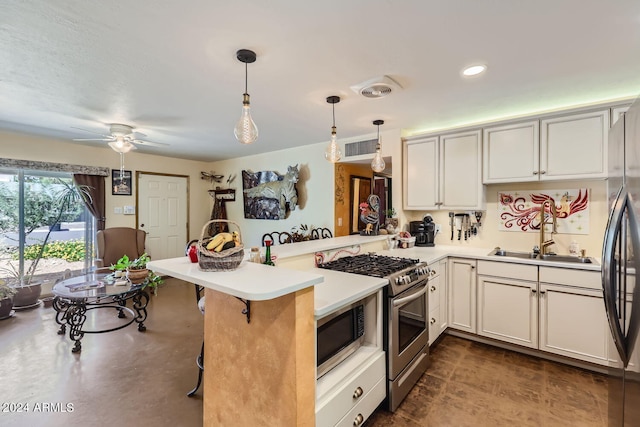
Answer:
(129, 210)
(117, 210)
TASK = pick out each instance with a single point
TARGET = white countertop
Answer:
(340, 289)
(251, 281)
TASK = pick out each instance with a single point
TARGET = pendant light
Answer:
(246, 131)
(333, 153)
(377, 164)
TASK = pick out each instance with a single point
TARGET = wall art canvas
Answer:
(521, 210)
(269, 195)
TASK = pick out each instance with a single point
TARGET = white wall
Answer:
(315, 190)
(27, 147)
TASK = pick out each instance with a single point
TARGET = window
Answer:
(45, 228)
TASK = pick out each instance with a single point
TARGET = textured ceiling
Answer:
(169, 68)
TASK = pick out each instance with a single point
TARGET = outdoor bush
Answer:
(70, 250)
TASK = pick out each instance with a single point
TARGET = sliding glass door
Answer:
(45, 229)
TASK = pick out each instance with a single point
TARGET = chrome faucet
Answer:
(543, 220)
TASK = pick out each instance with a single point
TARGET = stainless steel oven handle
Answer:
(415, 296)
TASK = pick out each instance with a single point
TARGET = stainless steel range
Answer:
(406, 329)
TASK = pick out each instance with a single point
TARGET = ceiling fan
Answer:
(121, 138)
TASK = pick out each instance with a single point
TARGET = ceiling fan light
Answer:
(123, 147)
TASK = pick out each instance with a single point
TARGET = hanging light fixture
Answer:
(333, 153)
(377, 164)
(122, 146)
(246, 130)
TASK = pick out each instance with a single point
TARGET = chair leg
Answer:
(200, 363)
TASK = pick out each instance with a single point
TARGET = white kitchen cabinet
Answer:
(359, 393)
(421, 173)
(437, 300)
(462, 294)
(573, 319)
(508, 306)
(574, 146)
(444, 172)
(511, 153)
(616, 112)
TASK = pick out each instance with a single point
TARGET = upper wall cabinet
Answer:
(574, 146)
(571, 146)
(444, 172)
(511, 153)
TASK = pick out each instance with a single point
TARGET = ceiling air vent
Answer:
(377, 87)
(359, 148)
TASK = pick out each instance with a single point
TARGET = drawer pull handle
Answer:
(433, 288)
(357, 393)
(432, 321)
(359, 419)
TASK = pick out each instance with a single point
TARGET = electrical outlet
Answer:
(339, 222)
(438, 228)
(129, 210)
(117, 210)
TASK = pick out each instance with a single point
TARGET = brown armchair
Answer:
(113, 243)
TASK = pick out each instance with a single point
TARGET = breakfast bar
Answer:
(266, 362)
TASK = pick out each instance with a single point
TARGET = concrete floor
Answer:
(120, 378)
(131, 378)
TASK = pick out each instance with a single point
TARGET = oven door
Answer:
(408, 326)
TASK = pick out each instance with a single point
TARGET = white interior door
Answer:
(162, 213)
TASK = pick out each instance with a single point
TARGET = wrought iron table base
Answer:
(73, 312)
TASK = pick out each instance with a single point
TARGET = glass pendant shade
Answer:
(333, 153)
(121, 146)
(377, 164)
(246, 130)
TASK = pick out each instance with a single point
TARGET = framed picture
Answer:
(120, 185)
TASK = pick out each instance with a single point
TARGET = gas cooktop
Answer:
(370, 264)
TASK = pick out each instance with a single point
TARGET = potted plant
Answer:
(391, 222)
(6, 299)
(136, 271)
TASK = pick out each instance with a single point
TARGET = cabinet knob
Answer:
(359, 419)
(432, 321)
(543, 292)
(533, 291)
(543, 172)
(535, 172)
(433, 288)
(357, 393)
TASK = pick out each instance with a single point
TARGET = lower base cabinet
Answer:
(352, 401)
(462, 294)
(437, 300)
(573, 323)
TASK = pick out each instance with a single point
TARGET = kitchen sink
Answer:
(525, 255)
(547, 257)
(566, 258)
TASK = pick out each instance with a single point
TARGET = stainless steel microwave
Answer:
(339, 335)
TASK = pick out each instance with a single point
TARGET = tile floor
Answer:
(473, 384)
(129, 378)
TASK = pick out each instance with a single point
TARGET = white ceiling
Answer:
(169, 67)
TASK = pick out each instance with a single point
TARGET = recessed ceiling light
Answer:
(474, 70)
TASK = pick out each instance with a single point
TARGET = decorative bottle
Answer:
(267, 255)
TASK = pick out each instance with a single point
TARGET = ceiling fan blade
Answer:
(93, 139)
(90, 131)
(149, 143)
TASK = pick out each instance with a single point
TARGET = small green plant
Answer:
(140, 263)
(390, 213)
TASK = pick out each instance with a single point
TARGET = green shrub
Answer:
(70, 250)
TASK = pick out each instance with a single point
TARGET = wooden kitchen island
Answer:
(259, 370)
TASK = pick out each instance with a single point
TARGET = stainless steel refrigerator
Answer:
(620, 262)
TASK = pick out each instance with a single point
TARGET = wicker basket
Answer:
(226, 260)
